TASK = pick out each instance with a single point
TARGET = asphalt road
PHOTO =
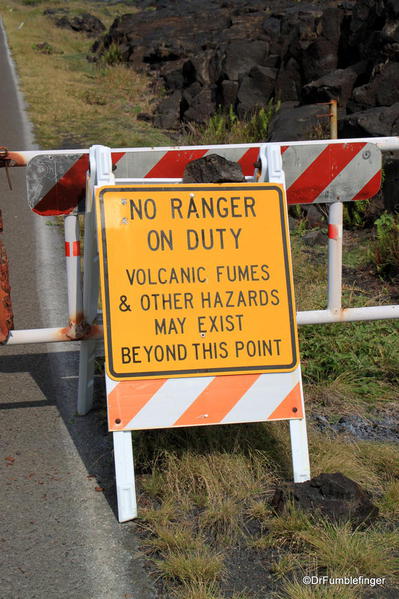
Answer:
(59, 536)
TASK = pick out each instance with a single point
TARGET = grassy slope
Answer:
(72, 102)
(203, 500)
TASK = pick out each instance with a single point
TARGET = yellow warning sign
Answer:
(196, 280)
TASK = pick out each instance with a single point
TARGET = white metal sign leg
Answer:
(299, 449)
(272, 171)
(101, 174)
(299, 446)
(124, 471)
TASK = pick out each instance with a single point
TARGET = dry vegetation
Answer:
(73, 102)
(205, 520)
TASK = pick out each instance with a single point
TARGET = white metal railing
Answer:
(78, 317)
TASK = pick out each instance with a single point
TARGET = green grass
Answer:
(385, 249)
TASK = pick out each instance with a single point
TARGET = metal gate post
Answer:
(74, 279)
(335, 231)
(272, 171)
(6, 314)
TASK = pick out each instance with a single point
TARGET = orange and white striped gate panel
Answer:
(168, 403)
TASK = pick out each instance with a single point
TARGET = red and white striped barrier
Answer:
(322, 171)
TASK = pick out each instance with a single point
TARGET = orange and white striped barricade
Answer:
(206, 378)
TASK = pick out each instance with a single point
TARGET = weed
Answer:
(259, 510)
(296, 589)
(339, 549)
(389, 502)
(381, 458)
(43, 48)
(328, 455)
(226, 127)
(202, 567)
(197, 590)
(385, 251)
(356, 256)
(287, 564)
(168, 538)
(162, 515)
(111, 56)
(354, 214)
(287, 529)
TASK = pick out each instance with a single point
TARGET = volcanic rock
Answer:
(217, 54)
(333, 496)
(337, 85)
(294, 123)
(213, 169)
(85, 23)
(382, 90)
(374, 122)
(168, 115)
(256, 89)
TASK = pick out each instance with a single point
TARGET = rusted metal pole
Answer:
(6, 314)
(333, 119)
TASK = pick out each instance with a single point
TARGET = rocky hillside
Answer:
(242, 53)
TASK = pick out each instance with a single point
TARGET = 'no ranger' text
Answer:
(196, 208)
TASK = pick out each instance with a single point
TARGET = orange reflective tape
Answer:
(217, 399)
(127, 399)
(290, 407)
(76, 248)
(333, 232)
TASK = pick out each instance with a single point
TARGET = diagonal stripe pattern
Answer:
(319, 172)
(168, 403)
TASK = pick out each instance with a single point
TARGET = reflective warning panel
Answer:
(196, 280)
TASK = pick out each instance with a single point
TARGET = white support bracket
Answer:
(271, 164)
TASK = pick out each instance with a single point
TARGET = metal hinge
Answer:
(5, 163)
